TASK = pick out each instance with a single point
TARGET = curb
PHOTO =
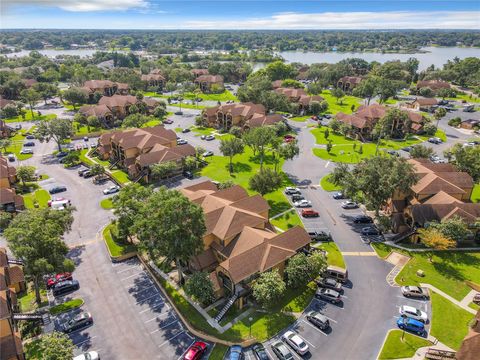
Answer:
(115, 259)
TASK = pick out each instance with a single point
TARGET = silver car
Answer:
(296, 342)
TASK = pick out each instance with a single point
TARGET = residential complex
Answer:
(348, 83)
(9, 200)
(207, 83)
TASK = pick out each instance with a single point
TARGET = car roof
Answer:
(414, 288)
(409, 308)
(415, 322)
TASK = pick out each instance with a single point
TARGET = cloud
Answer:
(81, 5)
(349, 20)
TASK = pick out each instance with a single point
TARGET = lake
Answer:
(435, 55)
(52, 53)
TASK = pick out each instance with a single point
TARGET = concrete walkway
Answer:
(448, 297)
(468, 298)
(420, 353)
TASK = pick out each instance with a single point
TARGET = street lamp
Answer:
(250, 319)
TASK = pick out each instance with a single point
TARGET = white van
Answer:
(60, 204)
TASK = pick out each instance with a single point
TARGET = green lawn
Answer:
(224, 96)
(327, 185)
(116, 246)
(301, 118)
(245, 165)
(106, 203)
(120, 176)
(474, 306)
(66, 306)
(287, 220)
(27, 300)
(85, 130)
(345, 105)
(475, 197)
(381, 249)
(200, 130)
(218, 352)
(396, 348)
(460, 97)
(28, 117)
(41, 196)
(16, 147)
(334, 256)
(152, 123)
(449, 322)
(296, 299)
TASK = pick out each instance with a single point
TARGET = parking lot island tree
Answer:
(55, 346)
(376, 179)
(57, 130)
(421, 151)
(268, 288)
(35, 237)
(231, 147)
(171, 226)
(25, 173)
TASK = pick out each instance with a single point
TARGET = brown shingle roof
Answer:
(426, 101)
(160, 154)
(117, 101)
(258, 120)
(98, 84)
(95, 110)
(211, 79)
(15, 272)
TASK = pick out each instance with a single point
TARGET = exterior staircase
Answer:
(112, 165)
(227, 306)
(141, 175)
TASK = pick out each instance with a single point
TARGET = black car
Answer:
(178, 112)
(29, 143)
(78, 322)
(297, 197)
(188, 174)
(65, 287)
(338, 195)
(371, 230)
(61, 154)
(362, 219)
(407, 149)
(186, 130)
(30, 137)
(260, 352)
(57, 189)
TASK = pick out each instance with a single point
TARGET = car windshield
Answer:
(88, 356)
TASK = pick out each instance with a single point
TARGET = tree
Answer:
(377, 178)
(287, 151)
(163, 170)
(367, 88)
(265, 181)
(45, 90)
(318, 264)
(5, 143)
(393, 124)
(135, 121)
(160, 111)
(57, 130)
(31, 97)
(126, 206)
(72, 158)
(329, 146)
(260, 138)
(298, 270)
(439, 113)
(268, 288)
(97, 169)
(421, 151)
(55, 346)
(231, 147)
(35, 237)
(387, 88)
(236, 131)
(92, 121)
(433, 238)
(337, 93)
(190, 163)
(25, 173)
(278, 70)
(9, 111)
(465, 158)
(199, 286)
(75, 96)
(171, 226)
(226, 184)
(454, 228)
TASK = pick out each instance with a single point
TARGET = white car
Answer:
(111, 190)
(91, 355)
(296, 342)
(302, 203)
(26, 151)
(414, 313)
(292, 190)
(349, 205)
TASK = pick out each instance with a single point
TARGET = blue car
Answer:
(235, 353)
(412, 325)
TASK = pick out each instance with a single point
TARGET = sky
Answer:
(240, 14)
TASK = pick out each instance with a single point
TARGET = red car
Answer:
(288, 138)
(310, 213)
(52, 280)
(196, 351)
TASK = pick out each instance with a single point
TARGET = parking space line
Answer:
(191, 337)
(173, 337)
(314, 327)
(156, 294)
(128, 277)
(181, 356)
(132, 267)
(145, 289)
(268, 352)
(157, 316)
(419, 301)
(84, 341)
(156, 306)
(164, 326)
(344, 297)
(329, 318)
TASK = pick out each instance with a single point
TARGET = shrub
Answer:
(455, 121)
(9, 111)
(200, 288)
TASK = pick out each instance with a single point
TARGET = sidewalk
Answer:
(420, 353)
(448, 297)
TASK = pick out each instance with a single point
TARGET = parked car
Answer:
(407, 149)
(111, 190)
(207, 153)
(409, 324)
(91, 355)
(29, 143)
(188, 174)
(337, 273)
(288, 138)
(57, 189)
(186, 130)
(370, 230)
(319, 236)
(196, 351)
(414, 313)
(168, 121)
(260, 352)
(476, 299)
(11, 157)
(297, 197)
(328, 295)
(210, 137)
(319, 320)
(64, 287)
(302, 203)
(56, 198)
(178, 112)
(88, 174)
(393, 153)
(26, 151)
(182, 142)
(330, 283)
(61, 154)
(55, 279)
(82, 171)
(435, 140)
(338, 195)
(414, 291)
(60, 204)
(362, 219)
(30, 137)
(296, 342)
(292, 191)
(78, 322)
(281, 351)
(235, 353)
(306, 213)
(349, 205)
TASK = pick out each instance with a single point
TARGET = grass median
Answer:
(66, 306)
(116, 246)
(399, 345)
